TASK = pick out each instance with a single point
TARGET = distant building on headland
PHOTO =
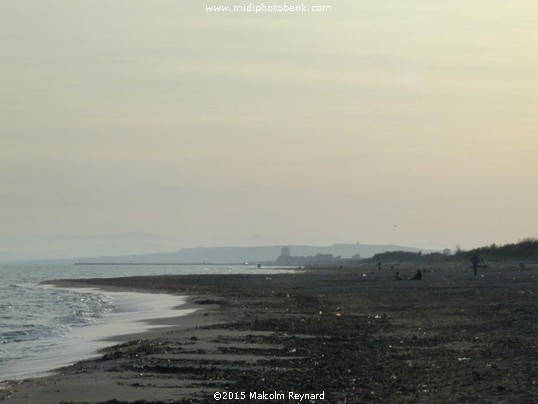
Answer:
(285, 257)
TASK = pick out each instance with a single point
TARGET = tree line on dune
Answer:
(523, 250)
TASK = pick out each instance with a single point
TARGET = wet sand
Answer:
(355, 335)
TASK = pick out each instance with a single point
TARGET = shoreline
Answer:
(132, 313)
(356, 334)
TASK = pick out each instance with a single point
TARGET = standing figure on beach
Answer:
(397, 277)
(418, 275)
(475, 260)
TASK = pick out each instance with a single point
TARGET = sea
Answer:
(43, 327)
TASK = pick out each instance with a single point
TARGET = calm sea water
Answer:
(43, 327)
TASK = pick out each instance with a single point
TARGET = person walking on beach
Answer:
(475, 260)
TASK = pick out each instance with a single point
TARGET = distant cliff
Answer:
(264, 254)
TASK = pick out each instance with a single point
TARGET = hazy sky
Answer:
(410, 122)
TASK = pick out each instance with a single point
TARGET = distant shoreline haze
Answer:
(233, 255)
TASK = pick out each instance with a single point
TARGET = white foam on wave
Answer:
(132, 312)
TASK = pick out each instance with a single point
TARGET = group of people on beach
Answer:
(475, 260)
(416, 277)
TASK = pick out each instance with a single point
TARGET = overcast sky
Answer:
(409, 122)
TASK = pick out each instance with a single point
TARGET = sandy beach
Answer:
(348, 335)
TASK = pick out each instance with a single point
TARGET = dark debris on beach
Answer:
(358, 338)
